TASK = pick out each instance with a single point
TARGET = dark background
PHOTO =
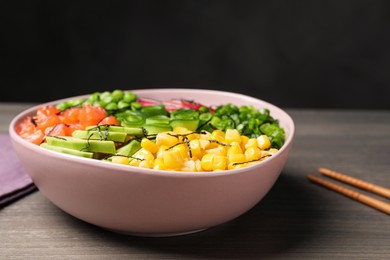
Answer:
(319, 54)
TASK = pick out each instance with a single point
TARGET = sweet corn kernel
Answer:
(204, 143)
(192, 165)
(219, 162)
(236, 158)
(272, 151)
(212, 162)
(159, 164)
(144, 155)
(263, 142)
(244, 140)
(181, 130)
(205, 135)
(182, 149)
(232, 135)
(198, 166)
(188, 166)
(167, 139)
(161, 150)
(149, 145)
(120, 159)
(234, 148)
(196, 150)
(190, 135)
(252, 153)
(173, 159)
(233, 166)
(214, 140)
(146, 164)
(219, 150)
(219, 133)
(135, 162)
(193, 136)
(252, 142)
(264, 153)
(207, 162)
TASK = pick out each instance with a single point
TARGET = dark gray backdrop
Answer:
(322, 54)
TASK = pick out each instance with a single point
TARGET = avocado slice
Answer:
(157, 128)
(67, 150)
(100, 135)
(94, 146)
(135, 131)
(129, 149)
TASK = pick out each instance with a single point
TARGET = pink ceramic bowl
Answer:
(149, 202)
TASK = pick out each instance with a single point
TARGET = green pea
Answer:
(111, 106)
(129, 97)
(75, 102)
(123, 104)
(62, 106)
(70, 103)
(117, 95)
(106, 99)
(93, 98)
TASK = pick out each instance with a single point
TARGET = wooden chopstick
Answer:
(367, 200)
(379, 190)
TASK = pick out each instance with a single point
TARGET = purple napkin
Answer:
(14, 181)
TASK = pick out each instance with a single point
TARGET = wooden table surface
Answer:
(296, 220)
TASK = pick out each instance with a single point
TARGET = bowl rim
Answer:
(165, 173)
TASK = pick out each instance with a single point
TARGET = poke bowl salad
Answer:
(177, 134)
(154, 162)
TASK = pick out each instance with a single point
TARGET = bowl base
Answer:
(156, 234)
